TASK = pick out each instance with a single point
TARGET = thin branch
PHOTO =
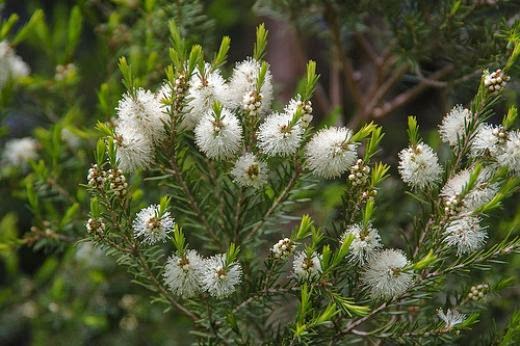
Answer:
(53, 184)
(339, 53)
(281, 198)
(175, 170)
(378, 86)
(410, 94)
(352, 325)
(336, 92)
(440, 84)
(260, 294)
(385, 87)
(238, 210)
(367, 48)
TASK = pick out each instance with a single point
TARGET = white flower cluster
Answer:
(140, 124)
(419, 166)
(143, 112)
(480, 194)
(491, 143)
(190, 274)
(464, 231)
(182, 274)
(18, 152)
(217, 112)
(295, 105)
(488, 141)
(278, 136)
(204, 90)
(219, 136)
(208, 86)
(330, 152)
(218, 279)
(152, 227)
(454, 124)
(11, 65)
(306, 267)
(365, 243)
(283, 248)
(509, 156)
(498, 144)
(281, 133)
(243, 85)
(134, 149)
(249, 171)
(385, 275)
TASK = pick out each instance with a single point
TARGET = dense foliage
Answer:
(162, 188)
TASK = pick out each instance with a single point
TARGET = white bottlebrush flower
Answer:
(11, 65)
(19, 151)
(144, 112)
(366, 241)
(454, 123)
(306, 109)
(488, 141)
(219, 138)
(510, 156)
(152, 227)
(250, 171)
(330, 152)
(466, 234)
(451, 318)
(243, 83)
(384, 276)
(306, 267)
(217, 279)
(283, 248)
(481, 193)
(134, 149)
(202, 93)
(182, 274)
(419, 166)
(277, 137)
